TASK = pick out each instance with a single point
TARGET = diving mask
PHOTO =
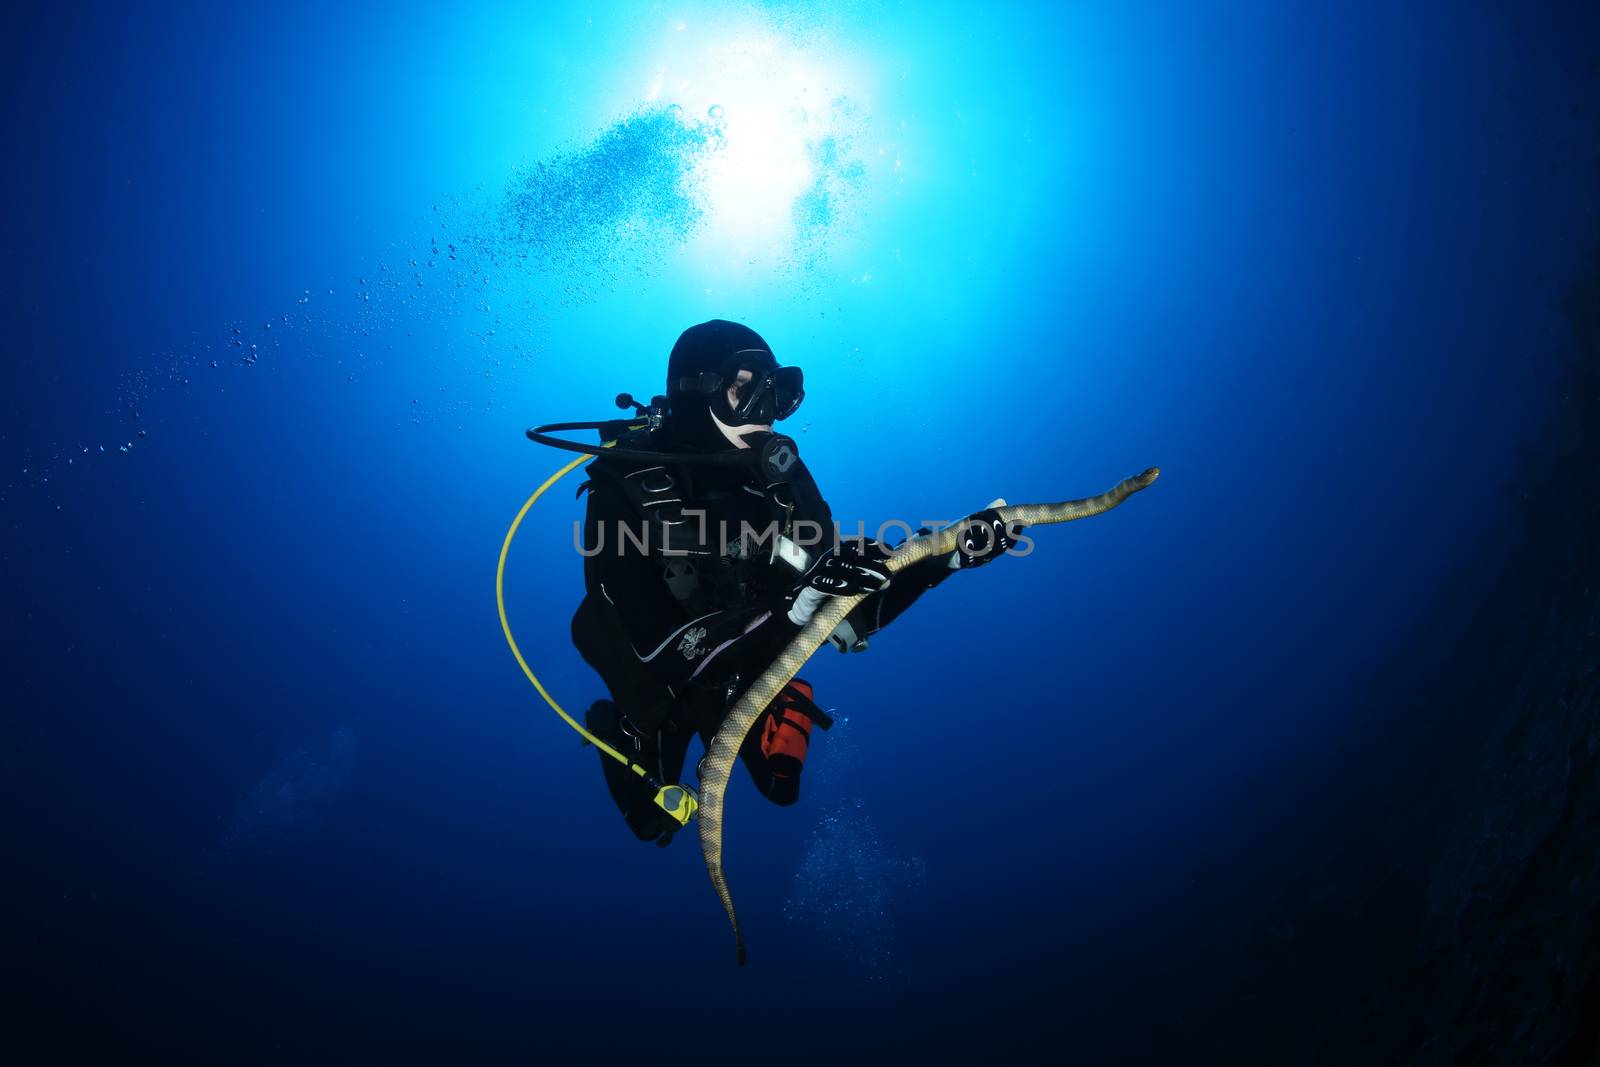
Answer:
(771, 395)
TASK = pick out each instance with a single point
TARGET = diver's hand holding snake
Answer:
(985, 537)
(855, 568)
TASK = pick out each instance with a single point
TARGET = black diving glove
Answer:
(984, 539)
(854, 568)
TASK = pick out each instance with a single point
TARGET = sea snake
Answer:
(724, 748)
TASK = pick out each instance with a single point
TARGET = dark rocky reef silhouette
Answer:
(1453, 916)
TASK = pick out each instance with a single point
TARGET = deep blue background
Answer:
(1309, 263)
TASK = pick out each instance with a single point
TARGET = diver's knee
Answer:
(784, 791)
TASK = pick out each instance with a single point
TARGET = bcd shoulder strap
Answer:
(653, 494)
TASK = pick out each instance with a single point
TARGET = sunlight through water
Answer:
(787, 116)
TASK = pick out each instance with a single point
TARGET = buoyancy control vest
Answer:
(718, 542)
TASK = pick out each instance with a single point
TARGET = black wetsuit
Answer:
(680, 614)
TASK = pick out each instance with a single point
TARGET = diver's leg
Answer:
(661, 754)
(774, 751)
(777, 777)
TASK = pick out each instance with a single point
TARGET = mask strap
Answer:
(706, 382)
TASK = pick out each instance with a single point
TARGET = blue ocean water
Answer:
(283, 288)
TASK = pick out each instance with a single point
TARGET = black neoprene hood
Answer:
(709, 345)
(701, 349)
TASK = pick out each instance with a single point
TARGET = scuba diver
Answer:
(707, 548)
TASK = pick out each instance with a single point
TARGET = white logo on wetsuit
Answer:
(690, 645)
